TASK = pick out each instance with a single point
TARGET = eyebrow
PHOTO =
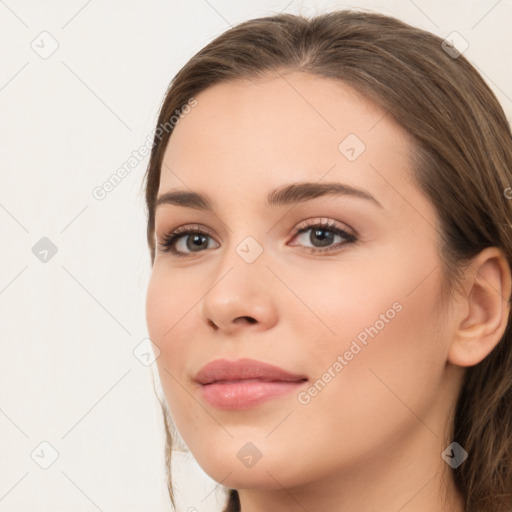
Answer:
(288, 194)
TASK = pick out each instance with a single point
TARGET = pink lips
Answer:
(244, 383)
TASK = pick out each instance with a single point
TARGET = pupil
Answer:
(320, 235)
(197, 242)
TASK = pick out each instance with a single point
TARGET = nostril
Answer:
(249, 319)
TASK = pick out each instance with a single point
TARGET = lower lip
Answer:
(244, 394)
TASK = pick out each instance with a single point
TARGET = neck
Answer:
(405, 476)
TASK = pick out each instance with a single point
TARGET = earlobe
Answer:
(484, 315)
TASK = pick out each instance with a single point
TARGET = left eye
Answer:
(323, 236)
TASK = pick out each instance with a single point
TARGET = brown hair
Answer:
(463, 164)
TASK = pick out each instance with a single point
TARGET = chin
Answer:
(241, 466)
(244, 478)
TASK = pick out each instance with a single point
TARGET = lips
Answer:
(222, 370)
(245, 383)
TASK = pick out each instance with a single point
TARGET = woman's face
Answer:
(353, 317)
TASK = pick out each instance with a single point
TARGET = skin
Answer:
(372, 438)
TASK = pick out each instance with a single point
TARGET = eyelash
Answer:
(170, 239)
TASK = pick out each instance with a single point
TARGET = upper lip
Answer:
(241, 369)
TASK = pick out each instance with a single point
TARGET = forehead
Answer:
(277, 129)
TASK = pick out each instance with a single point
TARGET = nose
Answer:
(240, 298)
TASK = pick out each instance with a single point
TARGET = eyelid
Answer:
(184, 229)
(327, 222)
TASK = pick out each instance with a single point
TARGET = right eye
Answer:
(186, 240)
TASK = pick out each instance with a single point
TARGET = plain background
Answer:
(69, 325)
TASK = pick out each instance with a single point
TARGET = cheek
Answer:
(387, 332)
(392, 350)
(388, 387)
(336, 305)
(366, 297)
(171, 317)
(169, 300)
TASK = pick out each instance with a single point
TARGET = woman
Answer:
(329, 227)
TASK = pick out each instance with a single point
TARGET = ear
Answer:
(481, 318)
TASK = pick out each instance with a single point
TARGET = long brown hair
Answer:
(463, 164)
